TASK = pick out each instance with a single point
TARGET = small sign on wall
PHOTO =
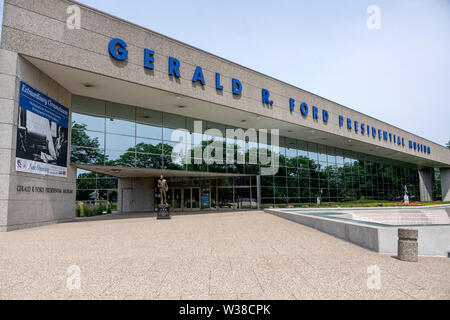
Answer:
(42, 134)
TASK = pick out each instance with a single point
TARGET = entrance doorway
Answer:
(196, 194)
(185, 199)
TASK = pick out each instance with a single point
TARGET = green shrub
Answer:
(99, 209)
(89, 210)
(80, 207)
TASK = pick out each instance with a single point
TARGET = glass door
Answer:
(195, 200)
(244, 198)
(187, 203)
(191, 199)
(226, 198)
(177, 199)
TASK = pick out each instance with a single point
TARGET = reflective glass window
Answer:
(291, 148)
(119, 143)
(120, 126)
(322, 153)
(88, 122)
(312, 151)
(120, 119)
(120, 158)
(148, 146)
(91, 139)
(88, 106)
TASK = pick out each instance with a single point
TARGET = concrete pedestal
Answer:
(408, 246)
(163, 212)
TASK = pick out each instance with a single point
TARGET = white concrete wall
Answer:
(136, 195)
(18, 209)
(426, 185)
(433, 240)
(445, 184)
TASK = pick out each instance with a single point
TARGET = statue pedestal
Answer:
(406, 200)
(163, 212)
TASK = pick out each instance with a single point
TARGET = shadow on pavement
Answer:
(143, 215)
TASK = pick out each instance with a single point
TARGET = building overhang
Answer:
(154, 173)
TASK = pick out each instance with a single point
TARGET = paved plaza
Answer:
(233, 255)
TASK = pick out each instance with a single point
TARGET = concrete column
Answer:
(445, 184)
(258, 191)
(18, 209)
(135, 195)
(426, 184)
(8, 126)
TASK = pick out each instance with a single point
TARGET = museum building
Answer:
(85, 92)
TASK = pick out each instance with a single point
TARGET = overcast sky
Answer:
(399, 74)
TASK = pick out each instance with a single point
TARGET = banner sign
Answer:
(42, 134)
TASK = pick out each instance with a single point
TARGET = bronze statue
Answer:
(163, 188)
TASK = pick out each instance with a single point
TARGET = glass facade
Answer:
(111, 134)
(94, 187)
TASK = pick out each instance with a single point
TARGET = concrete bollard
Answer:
(408, 247)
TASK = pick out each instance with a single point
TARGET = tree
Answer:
(85, 150)
(448, 144)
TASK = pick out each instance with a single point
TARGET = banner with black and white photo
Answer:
(42, 134)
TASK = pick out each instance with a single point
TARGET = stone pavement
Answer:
(234, 255)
